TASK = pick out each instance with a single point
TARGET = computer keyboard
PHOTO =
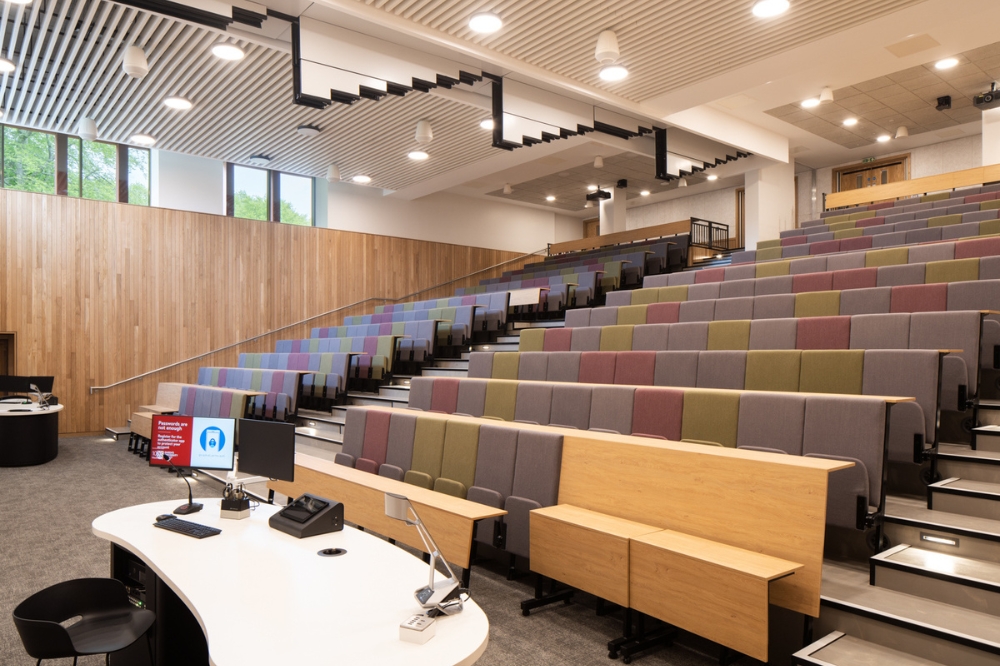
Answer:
(187, 528)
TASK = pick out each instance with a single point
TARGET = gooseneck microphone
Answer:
(191, 506)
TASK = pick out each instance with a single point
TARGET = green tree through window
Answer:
(100, 171)
(29, 160)
(138, 176)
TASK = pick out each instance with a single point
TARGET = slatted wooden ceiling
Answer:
(665, 45)
(69, 55)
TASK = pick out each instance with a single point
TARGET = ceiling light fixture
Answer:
(143, 139)
(178, 103)
(682, 182)
(18, 2)
(826, 95)
(333, 173)
(506, 188)
(485, 23)
(134, 62)
(598, 162)
(947, 63)
(883, 138)
(644, 193)
(607, 53)
(592, 188)
(417, 155)
(486, 124)
(259, 160)
(7, 66)
(424, 133)
(229, 52)
(850, 122)
(362, 179)
(87, 129)
(550, 198)
(712, 177)
(770, 8)
(308, 130)
(810, 103)
(902, 132)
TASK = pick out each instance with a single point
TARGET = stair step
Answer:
(374, 400)
(914, 625)
(965, 496)
(910, 521)
(464, 365)
(839, 649)
(117, 431)
(967, 463)
(445, 372)
(508, 339)
(395, 392)
(546, 323)
(496, 347)
(312, 436)
(951, 579)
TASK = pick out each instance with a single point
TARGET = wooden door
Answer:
(881, 172)
(591, 228)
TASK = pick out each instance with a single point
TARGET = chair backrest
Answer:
(534, 402)
(650, 337)
(824, 333)
(536, 484)
(471, 397)
(586, 338)
(771, 420)
(611, 408)
(676, 368)
(444, 397)
(690, 336)
(421, 389)
(722, 369)
(375, 442)
(354, 437)
(533, 366)
(636, 368)
(658, 412)
(571, 406)
(711, 415)
(399, 446)
(481, 364)
(428, 446)
(773, 333)
(458, 458)
(880, 331)
(501, 398)
(495, 460)
(729, 335)
(837, 371)
(773, 370)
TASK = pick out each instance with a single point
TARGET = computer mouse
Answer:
(164, 516)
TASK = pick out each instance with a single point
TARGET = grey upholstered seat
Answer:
(399, 448)
(611, 409)
(536, 485)
(494, 474)
(354, 437)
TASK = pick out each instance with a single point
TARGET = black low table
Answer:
(28, 435)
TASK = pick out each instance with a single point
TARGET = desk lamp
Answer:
(444, 597)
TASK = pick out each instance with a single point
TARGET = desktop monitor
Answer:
(16, 384)
(267, 448)
(192, 441)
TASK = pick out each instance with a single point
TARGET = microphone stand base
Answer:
(185, 509)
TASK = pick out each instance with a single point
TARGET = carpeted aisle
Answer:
(45, 538)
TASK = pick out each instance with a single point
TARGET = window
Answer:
(73, 149)
(138, 176)
(29, 160)
(99, 171)
(250, 193)
(296, 200)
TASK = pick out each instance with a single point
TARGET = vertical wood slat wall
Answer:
(98, 292)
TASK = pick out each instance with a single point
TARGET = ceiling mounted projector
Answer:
(986, 100)
(598, 195)
(424, 134)
(87, 129)
(134, 62)
(308, 130)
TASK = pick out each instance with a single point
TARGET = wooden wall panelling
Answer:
(630, 236)
(905, 188)
(98, 292)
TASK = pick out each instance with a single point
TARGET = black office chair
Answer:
(108, 621)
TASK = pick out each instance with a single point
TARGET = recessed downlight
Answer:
(485, 23)
(550, 198)
(883, 138)
(143, 139)
(363, 180)
(644, 193)
(417, 155)
(486, 124)
(7, 66)
(810, 103)
(770, 8)
(18, 2)
(228, 52)
(613, 73)
(712, 176)
(178, 103)
(947, 63)
(850, 122)
(591, 188)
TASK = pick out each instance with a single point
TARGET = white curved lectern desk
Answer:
(263, 597)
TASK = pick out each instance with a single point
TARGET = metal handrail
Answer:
(383, 299)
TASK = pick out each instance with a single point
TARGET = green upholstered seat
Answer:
(891, 256)
(645, 296)
(616, 338)
(399, 328)
(673, 294)
(940, 196)
(834, 219)
(765, 244)
(501, 397)
(632, 315)
(988, 227)
(848, 233)
(773, 370)
(772, 269)
(532, 339)
(840, 226)
(729, 335)
(407, 307)
(832, 371)
(817, 304)
(953, 270)
(505, 365)
(989, 205)
(769, 253)
(711, 415)
(862, 215)
(458, 460)
(944, 221)
(428, 445)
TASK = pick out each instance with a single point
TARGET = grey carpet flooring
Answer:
(45, 538)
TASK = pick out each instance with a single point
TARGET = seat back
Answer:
(501, 398)
(571, 406)
(771, 421)
(611, 409)
(428, 446)
(534, 402)
(711, 415)
(458, 459)
(399, 446)
(838, 371)
(773, 370)
(536, 485)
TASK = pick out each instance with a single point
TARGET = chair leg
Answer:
(149, 646)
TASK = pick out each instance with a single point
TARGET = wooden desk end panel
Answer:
(594, 562)
(714, 602)
(765, 507)
(142, 424)
(365, 506)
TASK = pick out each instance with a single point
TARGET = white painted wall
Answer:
(185, 182)
(717, 206)
(955, 155)
(770, 202)
(446, 218)
(567, 228)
